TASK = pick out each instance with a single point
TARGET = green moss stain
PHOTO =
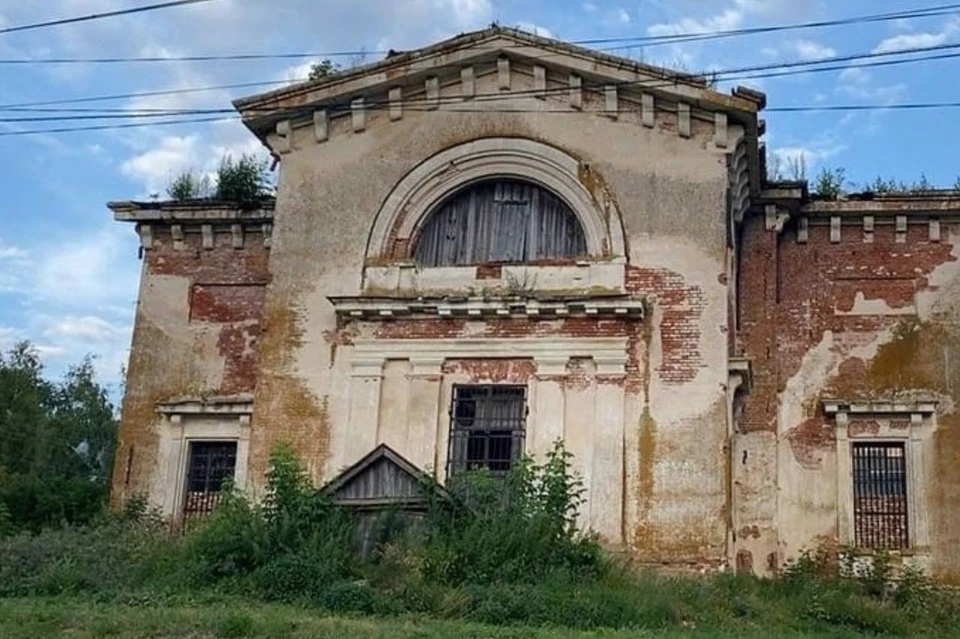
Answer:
(647, 444)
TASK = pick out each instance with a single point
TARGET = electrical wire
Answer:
(633, 41)
(99, 16)
(753, 72)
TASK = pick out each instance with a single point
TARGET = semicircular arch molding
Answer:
(415, 197)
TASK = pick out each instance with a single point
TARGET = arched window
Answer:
(500, 221)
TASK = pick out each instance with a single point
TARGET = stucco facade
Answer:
(697, 358)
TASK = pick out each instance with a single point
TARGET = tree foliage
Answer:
(189, 185)
(322, 69)
(56, 442)
(830, 183)
(243, 181)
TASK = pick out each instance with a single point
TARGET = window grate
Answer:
(486, 427)
(211, 465)
(880, 496)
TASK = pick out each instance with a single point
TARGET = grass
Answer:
(79, 618)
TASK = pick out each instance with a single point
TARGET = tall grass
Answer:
(490, 549)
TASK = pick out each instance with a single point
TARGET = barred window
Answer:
(486, 427)
(211, 465)
(500, 221)
(880, 495)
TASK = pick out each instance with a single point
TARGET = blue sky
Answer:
(69, 274)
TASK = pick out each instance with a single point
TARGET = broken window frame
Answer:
(218, 472)
(483, 416)
(881, 510)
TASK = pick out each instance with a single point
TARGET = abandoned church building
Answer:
(499, 241)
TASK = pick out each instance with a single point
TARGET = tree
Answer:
(56, 442)
(243, 181)
(322, 69)
(830, 183)
(188, 185)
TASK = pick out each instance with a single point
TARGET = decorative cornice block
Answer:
(576, 91)
(378, 309)
(321, 131)
(503, 73)
(647, 110)
(683, 120)
(358, 114)
(540, 81)
(396, 103)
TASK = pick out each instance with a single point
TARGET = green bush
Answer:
(244, 181)
(189, 185)
(294, 524)
(514, 529)
(112, 557)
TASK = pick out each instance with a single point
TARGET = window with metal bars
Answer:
(210, 466)
(486, 427)
(880, 495)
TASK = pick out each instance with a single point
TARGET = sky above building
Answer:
(69, 274)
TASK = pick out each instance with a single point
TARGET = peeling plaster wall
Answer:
(856, 319)
(197, 333)
(654, 462)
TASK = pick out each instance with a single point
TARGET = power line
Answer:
(99, 16)
(188, 90)
(915, 106)
(634, 40)
(877, 17)
(752, 72)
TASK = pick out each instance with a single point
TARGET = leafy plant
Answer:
(322, 69)
(830, 183)
(244, 181)
(515, 528)
(188, 185)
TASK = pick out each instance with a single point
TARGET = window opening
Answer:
(487, 427)
(880, 495)
(500, 221)
(211, 465)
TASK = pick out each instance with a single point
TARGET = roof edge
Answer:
(191, 210)
(696, 81)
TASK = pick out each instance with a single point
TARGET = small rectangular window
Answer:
(880, 495)
(487, 427)
(210, 466)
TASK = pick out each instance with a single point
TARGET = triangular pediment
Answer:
(382, 479)
(543, 67)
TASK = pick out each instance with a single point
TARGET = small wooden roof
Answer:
(382, 479)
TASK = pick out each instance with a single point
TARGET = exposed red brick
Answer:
(512, 371)
(226, 303)
(859, 427)
(810, 439)
(489, 271)
(240, 346)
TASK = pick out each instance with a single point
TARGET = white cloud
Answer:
(810, 50)
(906, 41)
(8, 337)
(9, 252)
(88, 328)
(729, 19)
(91, 268)
(156, 167)
(535, 29)
(589, 7)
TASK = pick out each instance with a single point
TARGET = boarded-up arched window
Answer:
(500, 221)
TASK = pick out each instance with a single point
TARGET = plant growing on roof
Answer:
(830, 183)
(244, 181)
(189, 185)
